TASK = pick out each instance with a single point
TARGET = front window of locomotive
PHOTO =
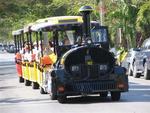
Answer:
(67, 38)
(71, 36)
(99, 35)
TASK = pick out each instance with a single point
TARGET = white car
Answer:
(130, 58)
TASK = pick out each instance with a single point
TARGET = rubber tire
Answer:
(104, 94)
(130, 72)
(21, 80)
(135, 75)
(61, 99)
(115, 96)
(53, 91)
(35, 85)
(27, 83)
(146, 72)
(42, 91)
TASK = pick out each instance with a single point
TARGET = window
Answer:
(99, 35)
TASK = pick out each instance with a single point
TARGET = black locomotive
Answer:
(88, 67)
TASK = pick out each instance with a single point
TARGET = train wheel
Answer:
(104, 94)
(61, 99)
(27, 83)
(42, 91)
(53, 94)
(35, 85)
(21, 80)
(115, 96)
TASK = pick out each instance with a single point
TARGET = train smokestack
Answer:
(85, 11)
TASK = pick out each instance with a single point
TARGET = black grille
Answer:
(89, 71)
(92, 86)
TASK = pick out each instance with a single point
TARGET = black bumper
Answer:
(91, 87)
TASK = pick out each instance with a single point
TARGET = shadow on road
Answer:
(7, 87)
(8, 73)
(17, 100)
(87, 100)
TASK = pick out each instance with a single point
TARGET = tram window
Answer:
(71, 36)
(66, 37)
(99, 35)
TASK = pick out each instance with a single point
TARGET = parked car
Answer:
(11, 49)
(129, 60)
(5, 46)
(1, 47)
(141, 65)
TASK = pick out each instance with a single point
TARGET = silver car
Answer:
(129, 61)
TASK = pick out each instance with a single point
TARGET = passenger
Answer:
(34, 51)
(38, 52)
(49, 50)
(34, 47)
(51, 45)
(27, 50)
(66, 41)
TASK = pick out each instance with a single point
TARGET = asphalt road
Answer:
(15, 97)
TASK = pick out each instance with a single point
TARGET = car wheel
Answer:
(135, 74)
(21, 80)
(115, 96)
(27, 83)
(146, 72)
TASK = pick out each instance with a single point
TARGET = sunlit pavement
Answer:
(6, 58)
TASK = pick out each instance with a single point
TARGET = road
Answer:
(16, 98)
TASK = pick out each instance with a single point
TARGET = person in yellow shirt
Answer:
(121, 54)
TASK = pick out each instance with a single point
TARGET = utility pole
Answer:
(102, 11)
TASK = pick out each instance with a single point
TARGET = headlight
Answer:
(103, 67)
(75, 68)
(89, 41)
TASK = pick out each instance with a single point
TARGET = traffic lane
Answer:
(7, 56)
(87, 105)
(6, 59)
(139, 90)
(16, 97)
(7, 65)
(7, 71)
(45, 106)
